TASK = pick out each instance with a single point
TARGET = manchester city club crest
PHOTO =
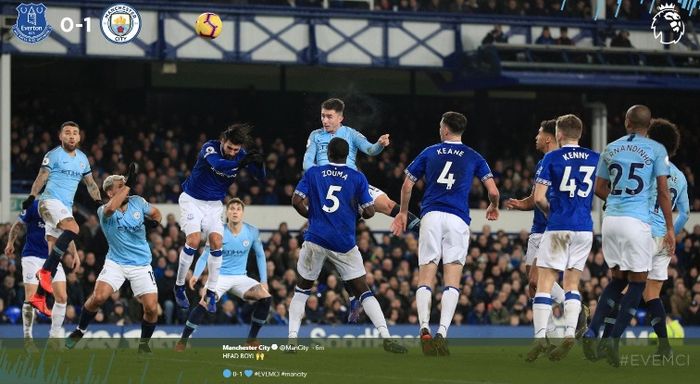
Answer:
(120, 23)
(246, 243)
(137, 215)
(31, 26)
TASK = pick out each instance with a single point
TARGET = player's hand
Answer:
(398, 226)
(76, 262)
(384, 140)
(514, 204)
(192, 282)
(492, 213)
(10, 249)
(265, 287)
(150, 223)
(670, 242)
(131, 175)
(253, 157)
(28, 202)
(97, 204)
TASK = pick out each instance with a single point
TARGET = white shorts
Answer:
(533, 245)
(53, 211)
(312, 256)
(141, 277)
(627, 243)
(562, 250)
(659, 262)
(200, 216)
(32, 264)
(443, 236)
(375, 192)
(240, 284)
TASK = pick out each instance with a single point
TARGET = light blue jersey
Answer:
(126, 234)
(317, 146)
(235, 253)
(65, 173)
(631, 164)
(678, 186)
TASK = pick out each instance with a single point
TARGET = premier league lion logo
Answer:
(31, 26)
(667, 25)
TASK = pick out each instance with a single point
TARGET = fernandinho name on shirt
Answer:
(629, 148)
(450, 151)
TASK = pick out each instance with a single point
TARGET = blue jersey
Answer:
(126, 234)
(539, 220)
(35, 242)
(449, 169)
(334, 192)
(65, 173)
(317, 146)
(235, 253)
(570, 174)
(631, 164)
(213, 174)
(678, 186)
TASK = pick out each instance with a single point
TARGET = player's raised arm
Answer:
(38, 184)
(368, 148)
(118, 198)
(219, 163)
(92, 188)
(310, 154)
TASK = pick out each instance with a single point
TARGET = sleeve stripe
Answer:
(543, 181)
(410, 176)
(363, 206)
(487, 176)
(300, 193)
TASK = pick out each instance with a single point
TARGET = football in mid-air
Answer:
(208, 25)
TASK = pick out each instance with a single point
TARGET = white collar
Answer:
(452, 142)
(570, 146)
(337, 165)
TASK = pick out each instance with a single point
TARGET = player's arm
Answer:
(153, 217)
(494, 198)
(664, 200)
(683, 206)
(368, 148)
(92, 188)
(301, 204)
(541, 198)
(310, 154)
(398, 226)
(602, 188)
(115, 202)
(260, 260)
(220, 164)
(16, 231)
(526, 204)
(38, 184)
(368, 211)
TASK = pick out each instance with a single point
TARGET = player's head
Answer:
(546, 135)
(637, 118)
(666, 133)
(332, 114)
(234, 210)
(69, 134)
(113, 184)
(338, 150)
(569, 128)
(452, 124)
(235, 137)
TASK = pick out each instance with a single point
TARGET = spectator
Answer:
(621, 40)
(496, 35)
(545, 37)
(498, 315)
(564, 37)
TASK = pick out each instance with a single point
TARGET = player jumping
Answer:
(61, 170)
(239, 238)
(448, 168)
(123, 220)
(328, 195)
(218, 164)
(567, 240)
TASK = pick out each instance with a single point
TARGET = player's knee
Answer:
(150, 309)
(60, 297)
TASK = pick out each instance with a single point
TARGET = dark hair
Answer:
(69, 123)
(570, 126)
(455, 122)
(338, 150)
(334, 104)
(666, 133)
(238, 134)
(235, 200)
(549, 126)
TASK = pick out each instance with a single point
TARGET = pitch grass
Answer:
(334, 361)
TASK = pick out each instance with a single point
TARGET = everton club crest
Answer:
(31, 26)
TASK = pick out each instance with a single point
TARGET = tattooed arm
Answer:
(92, 188)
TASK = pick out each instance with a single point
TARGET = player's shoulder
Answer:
(137, 199)
(677, 173)
(212, 144)
(253, 230)
(55, 151)
(80, 153)
(316, 132)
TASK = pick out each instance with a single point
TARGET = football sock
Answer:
(572, 308)
(184, 263)
(374, 312)
(542, 309)
(147, 329)
(27, 319)
(85, 319)
(628, 307)
(607, 301)
(214, 266)
(296, 310)
(424, 296)
(658, 320)
(58, 313)
(58, 250)
(450, 297)
(260, 312)
(193, 321)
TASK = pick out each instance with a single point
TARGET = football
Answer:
(208, 25)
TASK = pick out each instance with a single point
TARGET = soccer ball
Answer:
(208, 25)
